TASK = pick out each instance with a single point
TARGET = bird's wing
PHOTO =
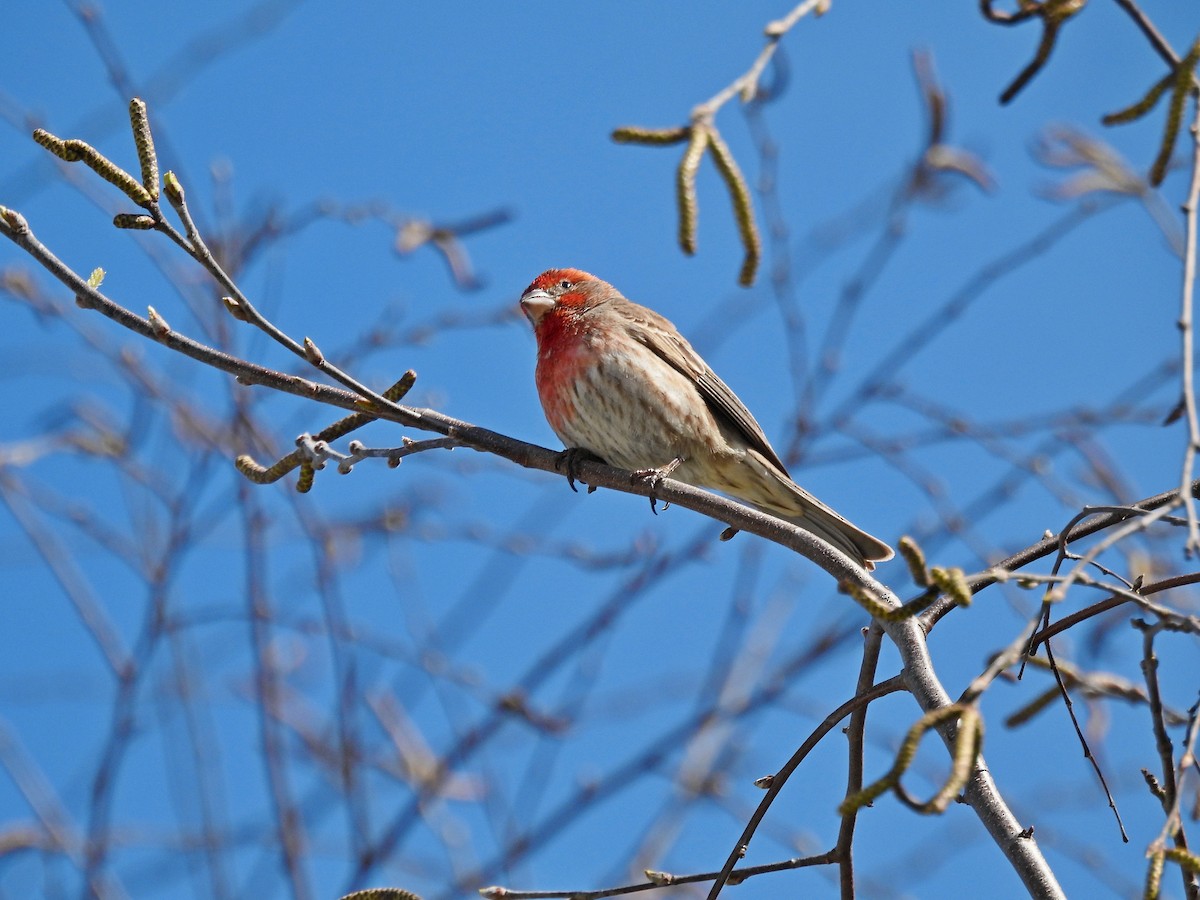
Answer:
(662, 338)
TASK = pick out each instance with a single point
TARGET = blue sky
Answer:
(454, 110)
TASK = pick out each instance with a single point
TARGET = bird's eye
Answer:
(564, 284)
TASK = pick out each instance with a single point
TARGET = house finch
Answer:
(618, 380)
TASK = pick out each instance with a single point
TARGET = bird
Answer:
(617, 380)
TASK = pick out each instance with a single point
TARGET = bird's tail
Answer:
(778, 495)
(828, 525)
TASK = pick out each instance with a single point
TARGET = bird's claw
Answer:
(568, 462)
(653, 479)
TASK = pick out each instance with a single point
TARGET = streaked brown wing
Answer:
(661, 337)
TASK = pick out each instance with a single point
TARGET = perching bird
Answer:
(618, 380)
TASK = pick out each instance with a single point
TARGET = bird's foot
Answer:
(653, 478)
(568, 462)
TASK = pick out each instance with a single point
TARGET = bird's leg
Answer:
(568, 462)
(654, 477)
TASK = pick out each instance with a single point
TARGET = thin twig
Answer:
(855, 739)
(779, 779)
(1112, 602)
(1172, 778)
(1087, 749)
(656, 881)
(197, 248)
(1187, 333)
(1051, 544)
(1153, 35)
(746, 84)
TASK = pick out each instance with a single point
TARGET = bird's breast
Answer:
(561, 367)
(623, 403)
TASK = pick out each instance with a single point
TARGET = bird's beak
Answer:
(536, 304)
